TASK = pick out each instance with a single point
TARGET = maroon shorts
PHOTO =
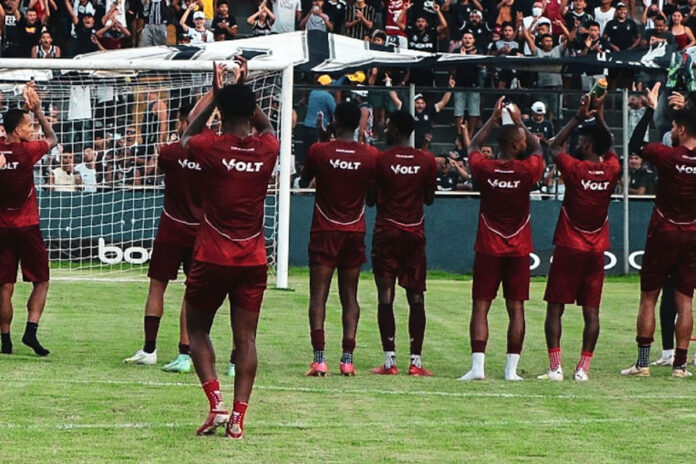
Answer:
(575, 276)
(400, 254)
(208, 284)
(336, 249)
(490, 271)
(669, 254)
(23, 245)
(166, 260)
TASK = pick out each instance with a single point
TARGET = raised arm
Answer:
(480, 137)
(583, 113)
(533, 144)
(205, 106)
(635, 145)
(33, 104)
(184, 17)
(446, 97)
(443, 22)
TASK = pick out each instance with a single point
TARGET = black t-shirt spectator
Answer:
(583, 19)
(422, 124)
(29, 35)
(621, 34)
(543, 128)
(460, 13)
(480, 31)
(423, 9)
(642, 178)
(10, 36)
(218, 30)
(467, 75)
(84, 40)
(651, 35)
(447, 182)
(596, 47)
(336, 13)
(423, 41)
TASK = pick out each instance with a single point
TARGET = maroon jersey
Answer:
(183, 200)
(504, 219)
(583, 223)
(675, 200)
(18, 205)
(404, 176)
(344, 171)
(236, 171)
(394, 8)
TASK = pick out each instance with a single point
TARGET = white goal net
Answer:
(100, 191)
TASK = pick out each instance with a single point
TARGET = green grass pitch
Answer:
(82, 404)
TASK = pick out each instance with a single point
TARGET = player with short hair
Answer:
(344, 170)
(582, 234)
(173, 246)
(670, 249)
(504, 238)
(20, 236)
(406, 179)
(229, 258)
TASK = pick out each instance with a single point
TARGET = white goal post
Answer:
(98, 105)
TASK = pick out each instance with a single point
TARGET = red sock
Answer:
(318, 339)
(239, 410)
(585, 360)
(554, 358)
(212, 391)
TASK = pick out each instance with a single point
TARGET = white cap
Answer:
(539, 108)
(198, 15)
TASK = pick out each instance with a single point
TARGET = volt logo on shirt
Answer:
(684, 169)
(590, 185)
(399, 169)
(341, 164)
(242, 166)
(186, 164)
(506, 184)
(10, 166)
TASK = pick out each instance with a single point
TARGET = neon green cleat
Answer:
(181, 363)
(230, 370)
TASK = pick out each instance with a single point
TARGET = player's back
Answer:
(183, 184)
(404, 177)
(588, 188)
(676, 187)
(505, 186)
(237, 171)
(344, 171)
(18, 206)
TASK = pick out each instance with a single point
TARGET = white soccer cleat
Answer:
(141, 358)
(636, 371)
(512, 376)
(581, 376)
(663, 361)
(552, 375)
(682, 373)
(472, 375)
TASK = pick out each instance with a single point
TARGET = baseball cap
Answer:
(539, 108)
(418, 96)
(544, 21)
(477, 13)
(357, 76)
(621, 4)
(198, 15)
(324, 79)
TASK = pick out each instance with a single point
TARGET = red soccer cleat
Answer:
(235, 427)
(419, 371)
(347, 369)
(215, 419)
(317, 370)
(382, 370)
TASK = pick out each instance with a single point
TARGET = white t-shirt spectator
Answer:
(88, 176)
(285, 12)
(199, 37)
(603, 18)
(121, 15)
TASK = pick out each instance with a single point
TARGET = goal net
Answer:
(100, 191)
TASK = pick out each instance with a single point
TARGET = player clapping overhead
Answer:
(582, 234)
(504, 238)
(20, 235)
(229, 257)
(344, 171)
(406, 178)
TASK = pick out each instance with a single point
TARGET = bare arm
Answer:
(204, 107)
(184, 17)
(559, 141)
(446, 97)
(480, 137)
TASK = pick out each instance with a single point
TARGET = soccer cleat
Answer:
(472, 375)
(347, 369)
(681, 372)
(142, 358)
(214, 420)
(419, 371)
(181, 363)
(230, 370)
(382, 370)
(317, 369)
(555, 375)
(235, 427)
(581, 375)
(663, 361)
(636, 371)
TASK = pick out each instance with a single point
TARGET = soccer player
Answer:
(504, 238)
(582, 234)
(176, 234)
(229, 258)
(670, 249)
(20, 235)
(406, 178)
(344, 172)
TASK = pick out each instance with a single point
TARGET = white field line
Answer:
(362, 391)
(338, 424)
